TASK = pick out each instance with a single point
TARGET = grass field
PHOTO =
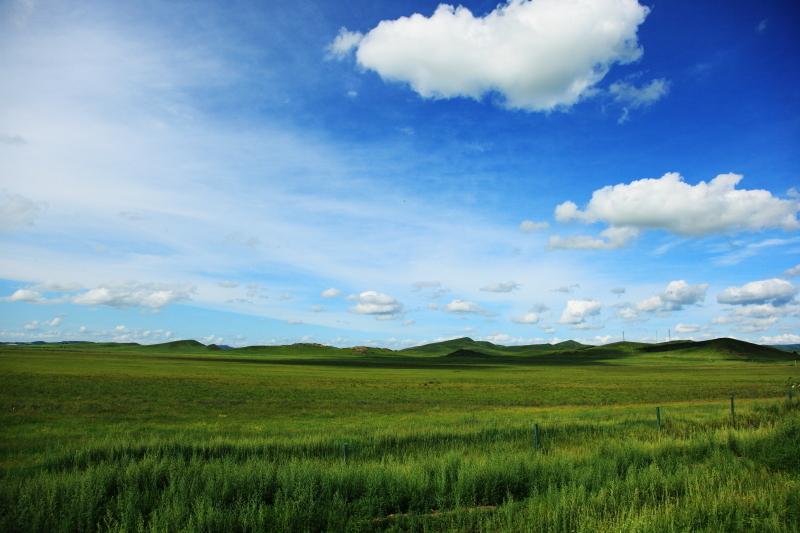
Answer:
(178, 437)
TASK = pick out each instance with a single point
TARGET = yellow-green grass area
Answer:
(108, 439)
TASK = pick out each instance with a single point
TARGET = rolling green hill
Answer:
(487, 348)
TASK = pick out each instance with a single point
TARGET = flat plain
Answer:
(183, 437)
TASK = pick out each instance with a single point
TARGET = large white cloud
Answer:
(381, 306)
(577, 311)
(128, 293)
(670, 204)
(776, 291)
(538, 54)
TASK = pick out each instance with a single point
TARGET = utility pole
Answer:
(669, 335)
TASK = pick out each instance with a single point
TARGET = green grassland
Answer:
(185, 437)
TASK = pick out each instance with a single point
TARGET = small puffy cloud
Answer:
(381, 306)
(351, 298)
(614, 238)
(762, 26)
(670, 204)
(127, 293)
(539, 307)
(55, 322)
(408, 322)
(776, 291)
(566, 289)
(53, 286)
(463, 307)
(318, 309)
(618, 290)
(24, 295)
(433, 305)
(577, 311)
(508, 286)
(344, 43)
(688, 328)
(634, 97)
(330, 293)
(17, 210)
(228, 284)
(294, 321)
(286, 296)
(528, 226)
(530, 318)
(32, 326)
(252, 242)
(792, 272)
(539, 55)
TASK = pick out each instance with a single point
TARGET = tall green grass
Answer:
(612, 475)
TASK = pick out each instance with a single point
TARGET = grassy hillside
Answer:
(486, 348)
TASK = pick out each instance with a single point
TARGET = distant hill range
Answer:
(467, 350)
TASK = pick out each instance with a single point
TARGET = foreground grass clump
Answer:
(179, 444)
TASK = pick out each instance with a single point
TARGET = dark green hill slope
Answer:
(487, 348)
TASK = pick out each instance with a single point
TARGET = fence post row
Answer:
(658, 417)
(536, 436)
(344, 452)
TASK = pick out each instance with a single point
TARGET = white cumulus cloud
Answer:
(670, 204)
(24, 295)
(128, 293)
(674, 297)
(776, 291)
(792, 272)
(381, 306)
(330, 293)
(530, 318)
(538, 54)
(577, 311)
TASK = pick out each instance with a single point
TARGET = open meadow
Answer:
(178, 437)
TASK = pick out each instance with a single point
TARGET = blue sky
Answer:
(395, 173)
